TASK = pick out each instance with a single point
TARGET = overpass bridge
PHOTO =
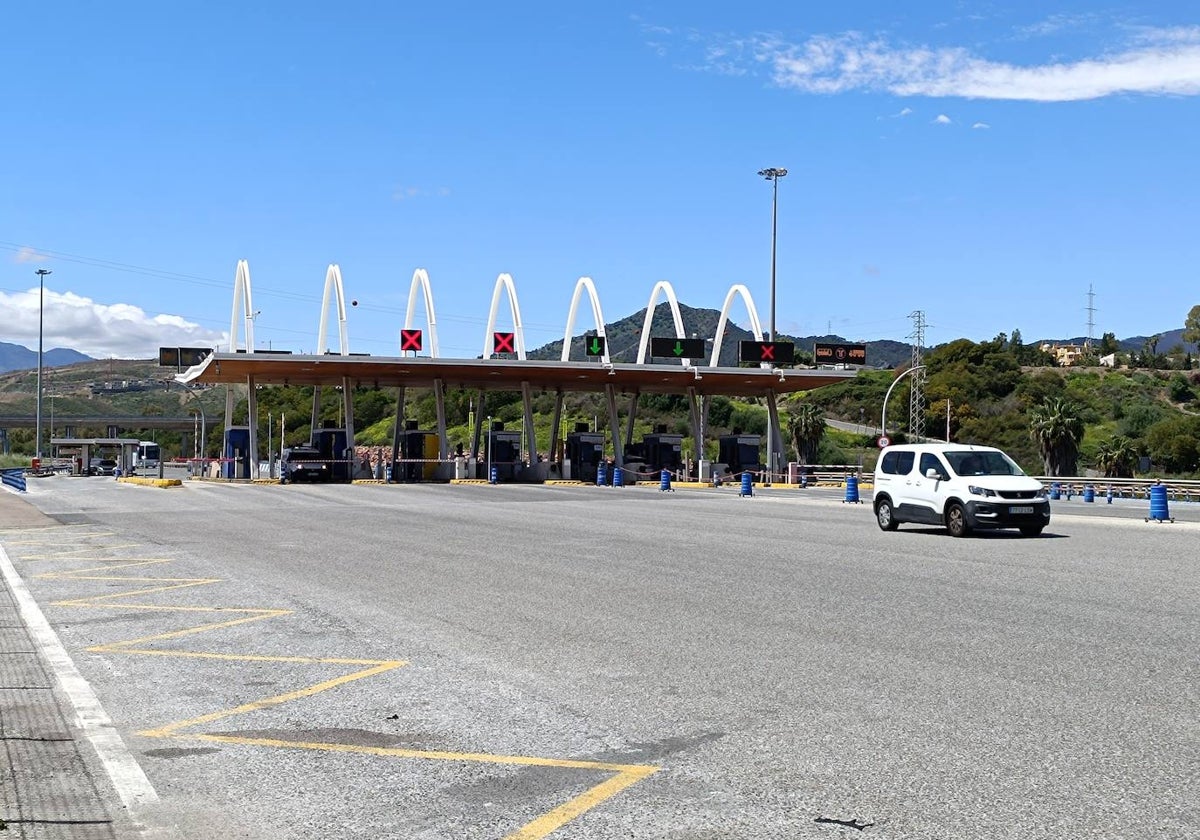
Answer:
(123, 421)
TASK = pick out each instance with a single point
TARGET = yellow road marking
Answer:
(624, 775)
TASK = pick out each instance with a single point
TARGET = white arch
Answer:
(755, 325)
(420, 281)
(333, 283)
(241, 299)
(666, 289)
(504, 281)
(584, 283)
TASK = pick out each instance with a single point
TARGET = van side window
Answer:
(929, 461)
(896, 463)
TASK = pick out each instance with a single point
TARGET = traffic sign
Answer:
(884, 440)
(776, 352)
(410, 340)
(504, 342)
(677, 348)
(593, 344)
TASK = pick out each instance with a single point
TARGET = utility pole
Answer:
(41, 273)
(916, 394)
(1091, 311)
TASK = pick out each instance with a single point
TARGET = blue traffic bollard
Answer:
(664, 481)
(852, 490)
(618, 477)
(1109, 494)
(601, 474)
(1158, 503)
(1089, 493)
(747, 488)
(493, 477)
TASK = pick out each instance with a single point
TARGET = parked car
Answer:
(103, 466)
(957, 486)
(303, 463)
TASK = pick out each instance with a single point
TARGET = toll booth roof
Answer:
(500, 374)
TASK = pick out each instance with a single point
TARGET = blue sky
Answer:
(982, 163)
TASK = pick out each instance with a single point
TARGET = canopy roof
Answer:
(504, 374)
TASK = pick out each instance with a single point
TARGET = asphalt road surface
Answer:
(582, 663)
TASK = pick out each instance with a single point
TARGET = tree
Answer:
(1108, 344)
(806, 427)
(1191, 326)
(1057, 429)
(1116, 457)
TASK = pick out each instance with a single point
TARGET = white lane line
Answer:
(126, 774)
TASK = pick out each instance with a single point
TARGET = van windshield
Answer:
(982, 463)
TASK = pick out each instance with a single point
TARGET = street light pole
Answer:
(41, 273)
(773, 175)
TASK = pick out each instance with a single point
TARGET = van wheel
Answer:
(885, 516)
(1031, 530)
(956, 520)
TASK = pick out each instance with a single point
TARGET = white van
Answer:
(959, 486)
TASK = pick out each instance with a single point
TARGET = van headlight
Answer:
(980, 491)
(1040, 494)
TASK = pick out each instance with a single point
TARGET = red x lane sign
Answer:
(410, 340)
(504, 342)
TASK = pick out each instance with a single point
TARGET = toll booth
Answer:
(331, 443)
(236, 453)
(739, 452)
(419, 451)
(585, 451)
(662, 451)
(504, 452)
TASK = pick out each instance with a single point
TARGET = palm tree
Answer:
(807, 427)
(1116, 457)
(1057, 428)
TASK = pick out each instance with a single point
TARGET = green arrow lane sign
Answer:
(662, 347)
(593, 345)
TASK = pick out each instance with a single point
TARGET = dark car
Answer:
(303, 463)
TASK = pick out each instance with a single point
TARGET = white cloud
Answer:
(904, 112)
(942, 119)
(25, 254)
(98, 329)
(1162, 61)
(404, 193)
(980, 125)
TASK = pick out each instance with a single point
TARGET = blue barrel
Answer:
(851, 490)
(747, 488)
(1158, 502)
(618, 477)
(664, 481)
(492, 477)
(601, 474)
(1055, 491)
(1089, 493)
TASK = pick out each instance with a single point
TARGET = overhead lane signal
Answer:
(677, 348)
(594, 345)
(775, 352)
(410, 340)
(504, 342)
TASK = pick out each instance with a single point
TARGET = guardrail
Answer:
(14, 478)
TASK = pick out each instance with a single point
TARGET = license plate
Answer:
(1021, 509)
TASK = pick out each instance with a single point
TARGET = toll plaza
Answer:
(77, 454)
(496, 447)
